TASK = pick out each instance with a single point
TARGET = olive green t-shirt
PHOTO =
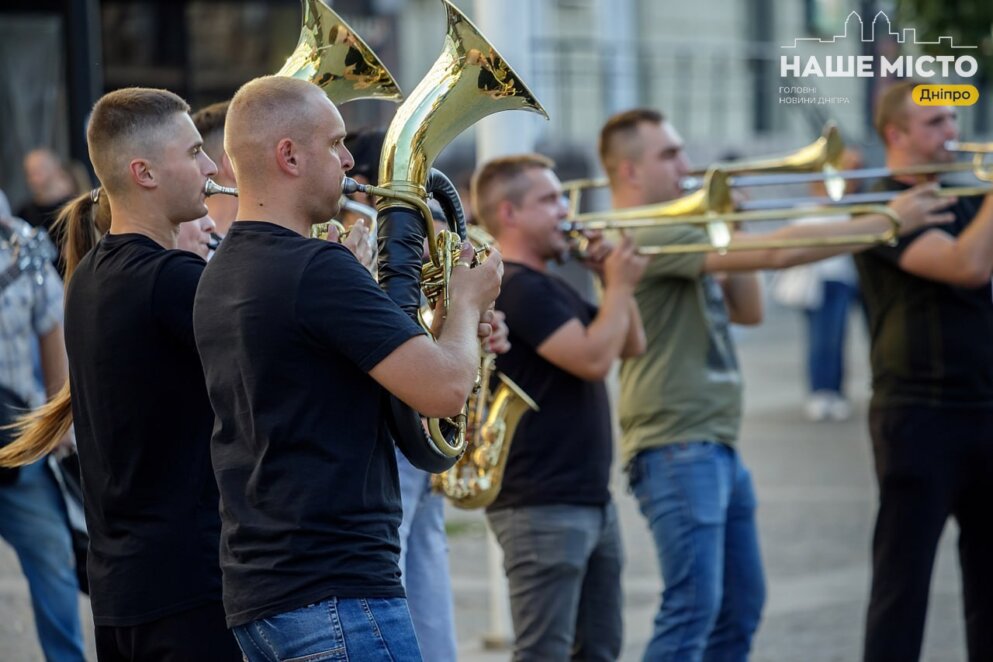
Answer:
(686, 386)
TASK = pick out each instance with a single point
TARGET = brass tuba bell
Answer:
(468, 81)
(332, 56)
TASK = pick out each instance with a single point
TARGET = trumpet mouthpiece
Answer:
(349, 186)
(210, 187)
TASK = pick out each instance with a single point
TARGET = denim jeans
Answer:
(424, 563)
(826, 327)
(33, 521)
(563, 566)
(700, 506)
(366, 629)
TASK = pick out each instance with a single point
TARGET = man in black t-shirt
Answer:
(930, 307)
(140, 408)
(300, 348)
(554, 517)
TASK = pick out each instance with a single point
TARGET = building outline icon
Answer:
(905, 36)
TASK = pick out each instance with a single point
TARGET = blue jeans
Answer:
(700, 506)
(367, 629)
(424, 563)
(563, 566)
(826, 328)
(33, 521)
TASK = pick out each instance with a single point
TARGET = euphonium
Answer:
(332, 56)
(468, 81)
(474, 481)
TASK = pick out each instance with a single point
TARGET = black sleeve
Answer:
(535, 309)
(172, 296)
(340, 305)
(965, 210)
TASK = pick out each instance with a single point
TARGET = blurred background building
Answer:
(711, 65)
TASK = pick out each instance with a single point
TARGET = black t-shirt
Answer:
(562, 453)
(932, 343)
(143, 425)
(288, 329)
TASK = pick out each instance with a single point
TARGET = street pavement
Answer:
(816, 505)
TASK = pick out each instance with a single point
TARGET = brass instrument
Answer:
(979, 151)
(977, 166)
(332, 56)
(713, 207)
(475, 480)
(468, 81)
(821, 156)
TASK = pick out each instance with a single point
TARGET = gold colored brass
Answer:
(712, 206)
(332, 56)
(475, 480)
(468, 81)
(822, 155)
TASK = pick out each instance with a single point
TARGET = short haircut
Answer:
(891, 107)
(123, 120)
(619, 137)
(264, 111)
(210, 123)
(502, 179)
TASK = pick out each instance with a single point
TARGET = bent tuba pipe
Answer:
(468, 81)
(475, 480)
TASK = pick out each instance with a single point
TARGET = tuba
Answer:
(474, 481)
(332, 56)
(468, 81)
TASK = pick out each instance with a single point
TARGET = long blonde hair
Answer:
(119, 116)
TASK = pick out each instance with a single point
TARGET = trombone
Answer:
(821, 157)
(713, 207)
(978, 166)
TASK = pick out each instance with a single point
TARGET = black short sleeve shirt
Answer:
(930, 340)
(288, 329)
(562, 453)
(143, 424)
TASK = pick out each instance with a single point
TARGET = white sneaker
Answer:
(818, 407)
(839, 409)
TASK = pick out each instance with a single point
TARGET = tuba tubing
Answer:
(402, 232)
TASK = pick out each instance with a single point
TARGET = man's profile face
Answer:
(194, 236)
(662, 163)
(328, 159)
(541, 212)
(925, 131)
(181, 168)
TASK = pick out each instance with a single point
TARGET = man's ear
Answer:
(506, 214)
(627, 171)
(893, 134)
(141, 173)
(287, 157)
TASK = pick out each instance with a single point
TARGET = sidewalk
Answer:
(816, 493)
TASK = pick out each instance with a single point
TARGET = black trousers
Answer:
(930, 463)
(195, 635)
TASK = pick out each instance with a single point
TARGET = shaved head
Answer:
(264, 112)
